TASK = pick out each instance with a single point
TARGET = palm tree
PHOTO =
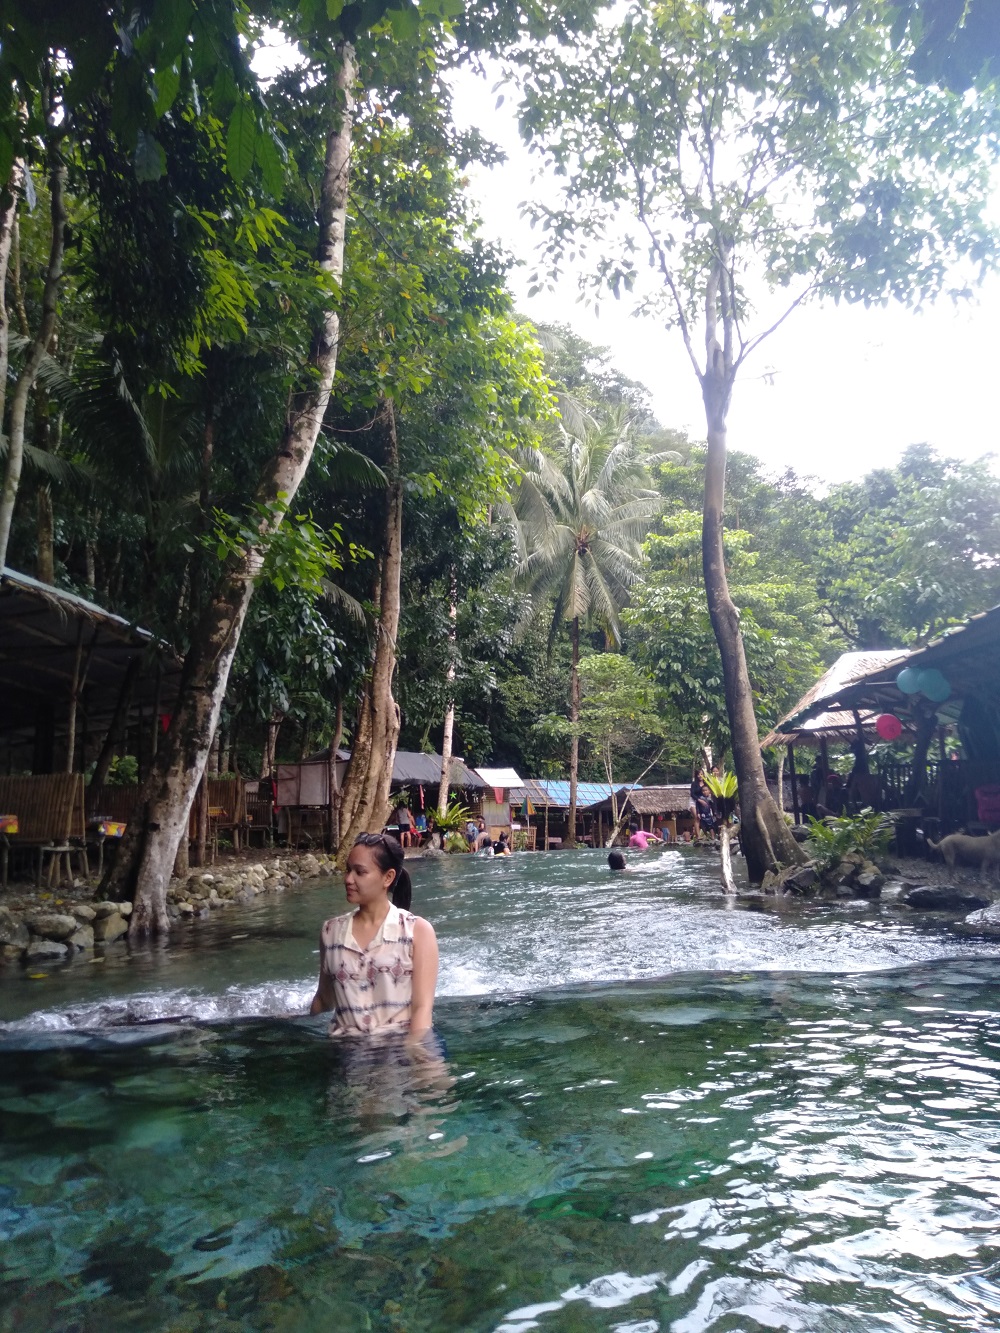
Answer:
(582, 512)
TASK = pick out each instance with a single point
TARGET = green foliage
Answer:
(454, 818)
(868, 834)
(124, 771)
(619, 710)
(724, 788)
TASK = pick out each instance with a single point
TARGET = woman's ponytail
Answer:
(402, 890)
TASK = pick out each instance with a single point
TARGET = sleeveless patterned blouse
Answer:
(372, 987)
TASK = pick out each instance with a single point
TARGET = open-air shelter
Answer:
(949, 790)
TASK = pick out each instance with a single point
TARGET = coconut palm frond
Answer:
(575, 418)
(339, 597)
(347, 467)
(604, 600)
(56, 467)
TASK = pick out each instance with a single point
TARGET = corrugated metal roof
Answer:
(554, 792)
(415, 766)
(500, 777)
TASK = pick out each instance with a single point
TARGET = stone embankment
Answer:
(49, 927)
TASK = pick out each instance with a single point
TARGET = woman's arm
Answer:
(425, 970)
(324, 999)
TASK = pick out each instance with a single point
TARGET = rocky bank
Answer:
(49, 926)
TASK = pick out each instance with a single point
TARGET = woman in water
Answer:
(378, 963)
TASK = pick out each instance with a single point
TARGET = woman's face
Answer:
(365, 882)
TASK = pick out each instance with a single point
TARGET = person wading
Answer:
(379, 962)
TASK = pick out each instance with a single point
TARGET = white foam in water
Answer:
(265, 1001)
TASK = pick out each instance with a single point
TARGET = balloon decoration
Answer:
(908, 680)
(934, 685)
(889, 726)
(928, 682)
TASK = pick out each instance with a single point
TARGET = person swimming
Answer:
(616, 861)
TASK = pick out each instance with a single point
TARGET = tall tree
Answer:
(147, 855)
(582, 515)
(738, 146)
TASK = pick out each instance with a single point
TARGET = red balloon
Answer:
(889, 726)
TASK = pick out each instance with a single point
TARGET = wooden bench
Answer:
(51, 822)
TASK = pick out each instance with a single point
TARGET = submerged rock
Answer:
(943, 898)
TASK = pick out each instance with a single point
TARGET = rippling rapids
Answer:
(651, 1112)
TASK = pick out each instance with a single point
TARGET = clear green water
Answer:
(810, 1148)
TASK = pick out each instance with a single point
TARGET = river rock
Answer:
(309, 867)
(39, 948)
(82, 912)
(869, 883)
(125, 909)
(985, 921)
(51, 925)
(106, 908)
(109, 928)
(13, 931)
(801, 881)
(185, 908)
(943, 898)
(82, 937)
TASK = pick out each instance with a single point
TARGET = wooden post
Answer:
(114, 732)
(74, 694)
(202, 808)
(796, 810)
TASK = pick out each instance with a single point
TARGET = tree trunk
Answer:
(150, 845)
(9, 201)
(448, 730)
(37, 347)
(373, 753)
(574, 718)
(926, 720)
(333, 783)
(767, 840)
(726, 859)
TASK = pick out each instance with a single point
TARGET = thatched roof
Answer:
(836, 724)
(669, 800)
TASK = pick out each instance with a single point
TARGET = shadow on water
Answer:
(809, 1148)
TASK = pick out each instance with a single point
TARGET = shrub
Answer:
(867, 834)
(124, 771)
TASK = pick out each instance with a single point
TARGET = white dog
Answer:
(959, 847)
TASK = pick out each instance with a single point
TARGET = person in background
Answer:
(617, 862)
(472, 835)
(378, 962)
(502, 845)
(483, 839)
(640, 839)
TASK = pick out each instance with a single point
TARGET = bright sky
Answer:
(850, 388)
